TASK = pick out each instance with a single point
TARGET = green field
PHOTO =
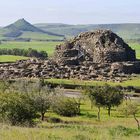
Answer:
(11, 58)
(136, 47)
(49, 47)
(82, 127)
(135, 81)
(39, 36)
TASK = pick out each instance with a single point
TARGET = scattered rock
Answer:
(99, 55)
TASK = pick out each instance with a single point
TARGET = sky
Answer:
(70, 11)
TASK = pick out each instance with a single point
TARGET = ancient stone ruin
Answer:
(101, 46)
(98, 55)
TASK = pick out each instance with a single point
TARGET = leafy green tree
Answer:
(63, 105)
(105, 96)
(66, 106)
(21, 52)
(42, 96)
(94, 96)
(17, 108)
(38, 92)
(132, 109)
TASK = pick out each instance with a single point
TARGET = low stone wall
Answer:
(86, 71)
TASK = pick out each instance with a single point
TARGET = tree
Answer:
(38, 92)
(132, 109)
(22, 52)
(42, 99)
(17, 108)
(105, 96)
(94, 98)
(65, 106)
(22, 100)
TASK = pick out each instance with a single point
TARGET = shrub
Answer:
(66, 106)
(54, 120)
(22, 52)
(17, 109)
(132, 109)
(123, 131)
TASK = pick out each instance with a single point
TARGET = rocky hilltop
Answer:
(98, 55)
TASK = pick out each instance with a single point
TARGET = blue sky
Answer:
(70, 11)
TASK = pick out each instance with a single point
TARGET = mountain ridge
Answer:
(125, 30)
(22, 27)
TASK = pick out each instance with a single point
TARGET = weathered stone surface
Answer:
(99, 55)
(100, 46)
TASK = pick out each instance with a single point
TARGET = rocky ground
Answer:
(99, 55)
(117, 71)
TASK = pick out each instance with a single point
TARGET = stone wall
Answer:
(117, 71)
(102, 46)
(99, 55)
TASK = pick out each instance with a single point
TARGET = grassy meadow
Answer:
(136, 47)
(133, 81)
(11, 58)
(82, 127)
(36, 35)
(49, 47)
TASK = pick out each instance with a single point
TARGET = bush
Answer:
(124, 131)
(17, 109)
(66, 106)
(54, 120)
(22, 52)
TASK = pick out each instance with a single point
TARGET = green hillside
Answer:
(126, 31)
(24, 30)
(39, 36)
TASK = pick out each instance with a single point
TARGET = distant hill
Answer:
(23, 29)
(126, 31)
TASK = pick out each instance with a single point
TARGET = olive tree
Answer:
(105, 96)
(42, 97)
(94, 98)
(64, 105)
(40, 93)
(16, 108)
(132, 109)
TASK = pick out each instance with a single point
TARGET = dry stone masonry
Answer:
(98, 55)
